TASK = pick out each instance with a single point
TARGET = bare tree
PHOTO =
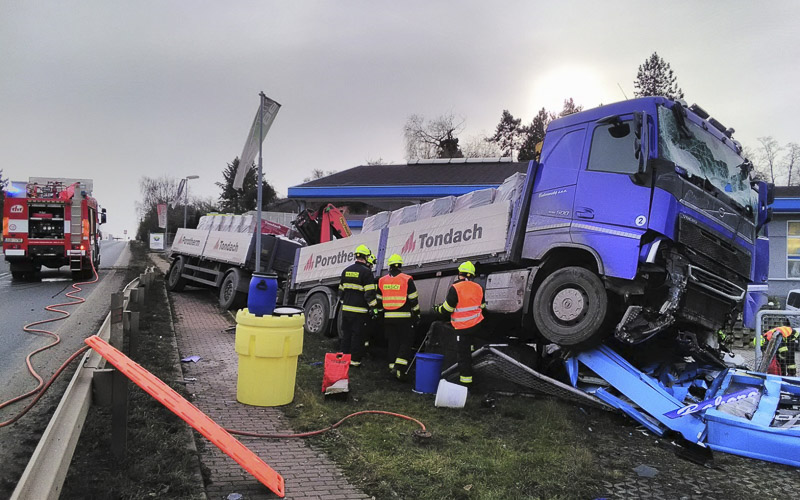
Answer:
(478, 146)
(433, 138)
(318, 173)
(569, 108)
(379, 161)
(767, 155)
(790, 160)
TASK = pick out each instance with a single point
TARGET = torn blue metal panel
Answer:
(761, 435)
(629, 410)
(642, 389)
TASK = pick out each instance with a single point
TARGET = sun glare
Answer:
(552, 87)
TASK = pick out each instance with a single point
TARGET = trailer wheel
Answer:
(318, 310)
(570, 307)
(176, 282)
(229, 295)
(17, 275)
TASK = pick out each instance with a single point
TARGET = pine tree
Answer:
(3, 183)
(534, 134)
(508, 133)
(234, 201)
(655, 78)
(569, 108)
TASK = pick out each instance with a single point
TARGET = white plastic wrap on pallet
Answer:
(511, 188)
(474, 199)
(469, 232)
(226, 223)
(205, 222)
(376, 222)
(328, 260)
(248, 224)
(437, 207)
(216, 222)
(403, 215)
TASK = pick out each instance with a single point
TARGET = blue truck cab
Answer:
(642, 219)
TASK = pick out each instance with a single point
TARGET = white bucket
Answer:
(449, 395)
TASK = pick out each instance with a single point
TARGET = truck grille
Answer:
(716, 284)
(703, 241)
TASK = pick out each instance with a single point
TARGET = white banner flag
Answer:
(177, 198)
(267, 115)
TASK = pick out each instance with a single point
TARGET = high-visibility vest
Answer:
(468, 311)
(394, 290)
(786, 331)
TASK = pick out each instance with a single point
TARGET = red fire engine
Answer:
(51, 222)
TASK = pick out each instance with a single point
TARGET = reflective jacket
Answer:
(465, 303)
(357, 289)
(398, 295)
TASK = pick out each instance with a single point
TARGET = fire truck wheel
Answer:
(570, 307)
(176, 282)
(317, 315)
(229, 295)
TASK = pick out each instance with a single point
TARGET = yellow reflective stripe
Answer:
(379, 297)
(413, 295)
(371, 287)
(341, 287)
(447, 307)
(372, 303)
(415, 308)
(783, 349)
(355, 363)
(465, 380)
(465, 309)
(391, 314)
(400, 361)
(354, 309)
(352, 286)
(395, 303)
(483, 306)
(461, 320)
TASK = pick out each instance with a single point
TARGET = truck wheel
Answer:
(570, 307)
(17, 275)
(318, 310)
(229, 296)
(176, 282)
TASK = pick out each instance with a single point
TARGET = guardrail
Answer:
(44, 475)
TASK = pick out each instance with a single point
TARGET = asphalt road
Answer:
(24, 302)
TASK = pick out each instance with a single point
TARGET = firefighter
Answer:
(399, 297)
(357, 291)
(465, 304)
(786, 352)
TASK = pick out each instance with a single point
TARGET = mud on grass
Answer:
(158, 462)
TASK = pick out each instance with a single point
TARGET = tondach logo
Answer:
(450, 237)
(16, 209)
(226, 247)
(410, 245)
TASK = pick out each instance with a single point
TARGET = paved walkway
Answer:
(200, 329)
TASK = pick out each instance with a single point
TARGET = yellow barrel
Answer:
(268, 347)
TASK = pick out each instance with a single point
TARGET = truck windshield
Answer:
(706, 157)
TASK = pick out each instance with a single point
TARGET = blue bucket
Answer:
(429, 368)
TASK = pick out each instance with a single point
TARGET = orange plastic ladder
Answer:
(193, 416)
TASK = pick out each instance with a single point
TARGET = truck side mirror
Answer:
(766, 196)
(641, 142)
(103, 216)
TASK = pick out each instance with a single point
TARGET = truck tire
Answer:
(318, 311)
(569, 308)
(176, 282)
(229, 295)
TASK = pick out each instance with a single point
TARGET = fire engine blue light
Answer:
(16, 190)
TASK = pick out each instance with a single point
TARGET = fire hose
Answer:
(29, 328)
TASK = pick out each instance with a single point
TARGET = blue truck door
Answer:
(608, 200)
(554, 191)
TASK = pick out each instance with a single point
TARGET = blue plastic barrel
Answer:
(263, 294)
(429, 368)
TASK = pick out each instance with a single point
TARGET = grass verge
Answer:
(521, 448)
(158, 463)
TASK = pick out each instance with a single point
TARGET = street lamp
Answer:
(186, 196)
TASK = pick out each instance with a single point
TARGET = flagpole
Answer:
(260, 182)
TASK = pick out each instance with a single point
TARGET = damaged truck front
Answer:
(661, 199)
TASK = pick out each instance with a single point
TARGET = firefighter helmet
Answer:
(395, 259)
(467, 268)
(371, 259)
(362, 250)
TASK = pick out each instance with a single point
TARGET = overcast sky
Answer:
(114, 90)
